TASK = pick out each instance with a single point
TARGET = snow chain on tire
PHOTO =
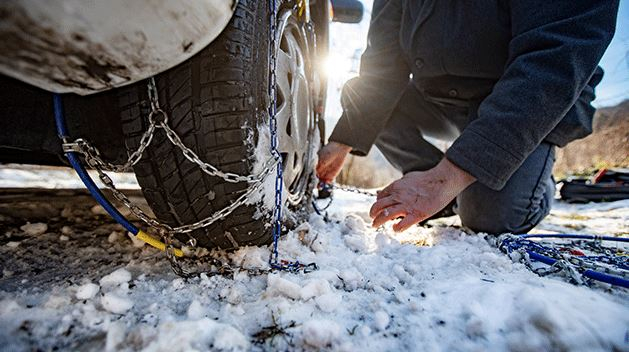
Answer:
(158, 119)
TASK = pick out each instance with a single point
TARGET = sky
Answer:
(615, 85)
(348, 41)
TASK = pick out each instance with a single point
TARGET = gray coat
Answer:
(526, 69)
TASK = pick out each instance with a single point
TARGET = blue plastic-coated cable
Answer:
(575, 236)
(595, 275)
(62, 131)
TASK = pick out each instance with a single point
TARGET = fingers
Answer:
(321, 174)
(323, 168)
(407, 222)
(324, 173)
(388, 214)
(331, 159)
(387, 191)
(380, 205)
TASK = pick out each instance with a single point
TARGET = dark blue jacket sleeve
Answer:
(369, 99)
(554, 51)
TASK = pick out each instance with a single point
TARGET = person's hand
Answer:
(419, 195)
(331, 158)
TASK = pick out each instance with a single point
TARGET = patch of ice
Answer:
(231, 294)
(178, 283)
(352, 279)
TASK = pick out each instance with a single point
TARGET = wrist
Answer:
(340, 146)
(459, 178)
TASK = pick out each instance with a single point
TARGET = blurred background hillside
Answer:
(607, 146)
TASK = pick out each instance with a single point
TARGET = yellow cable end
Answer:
(154, 242)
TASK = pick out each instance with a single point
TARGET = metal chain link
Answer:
(158, 119)
(274, 260)
(93, 155)
(94, 160)
(190, 154)
(567, 263)
(352, 189)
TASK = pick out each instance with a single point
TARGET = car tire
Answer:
(217, 102)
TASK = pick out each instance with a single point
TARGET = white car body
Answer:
(87, 46)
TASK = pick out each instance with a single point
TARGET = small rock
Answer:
(12, 244)
(64, 238)
(35, 229)
(98, 210)
(113, 237)
(66, 212)
(66, 230)
(137, 243)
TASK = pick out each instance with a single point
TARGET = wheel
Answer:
(217, 102)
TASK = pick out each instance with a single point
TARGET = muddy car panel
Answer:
(87, 46)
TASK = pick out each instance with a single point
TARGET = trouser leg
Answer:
(524, 201)
(401, 141)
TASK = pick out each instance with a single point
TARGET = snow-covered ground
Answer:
(73, 280)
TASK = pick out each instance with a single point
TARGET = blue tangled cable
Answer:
(522, 242)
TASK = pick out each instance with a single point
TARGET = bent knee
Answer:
(500, 215)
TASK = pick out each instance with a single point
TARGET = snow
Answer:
(87, 291)
(321, 333)
(196, 335)
(116, 278)
(13, 175)
(428, 289)
(112, 302)
(431, 288)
